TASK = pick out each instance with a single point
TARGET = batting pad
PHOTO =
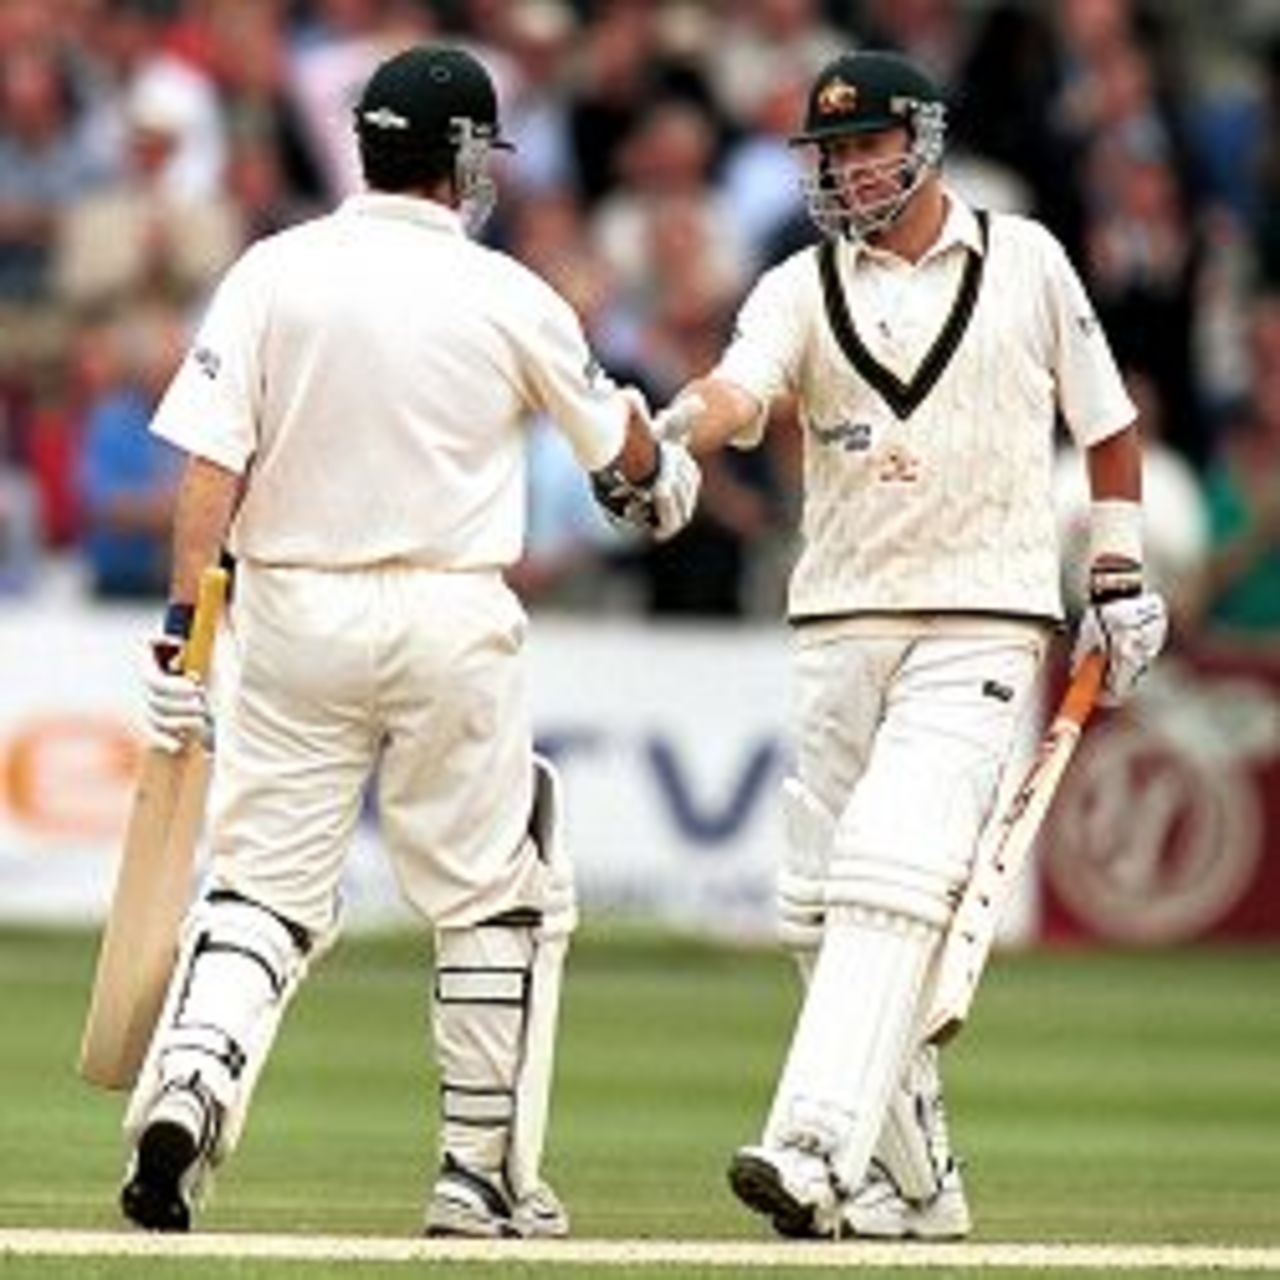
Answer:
(237, 970)
(851, 1040)
(914, 1144)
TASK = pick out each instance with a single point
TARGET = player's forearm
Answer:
(727, 411)
(1115, 517)
(207, 500)
(1115, 467)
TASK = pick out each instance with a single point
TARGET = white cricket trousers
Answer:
(905, 725)
(412, 673)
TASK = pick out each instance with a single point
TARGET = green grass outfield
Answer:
(1097, 1098)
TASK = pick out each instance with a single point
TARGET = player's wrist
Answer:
(1115, 549)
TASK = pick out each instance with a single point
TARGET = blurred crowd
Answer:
(144, 143)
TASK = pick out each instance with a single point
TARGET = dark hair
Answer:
(390, 168)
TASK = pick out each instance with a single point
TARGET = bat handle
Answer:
(1082, 694)
(197, 653)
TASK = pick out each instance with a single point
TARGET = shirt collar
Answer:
(402, 208)
(960, 226)
(959, 229)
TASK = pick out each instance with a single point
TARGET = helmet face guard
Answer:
(477, 191)
(831, 192)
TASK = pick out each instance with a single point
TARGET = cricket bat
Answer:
(1004, 849)
(153, 883)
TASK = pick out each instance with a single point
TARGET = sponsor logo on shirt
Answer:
(208, 361)
(852, 437)
(897, 465)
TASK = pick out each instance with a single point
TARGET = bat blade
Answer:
(151, 893)
(153, 885)
(1002, 853)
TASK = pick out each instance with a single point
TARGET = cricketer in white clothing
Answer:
(930, 348)
(353, 410)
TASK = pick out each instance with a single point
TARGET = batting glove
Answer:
(675, 490)
(660, 505)
(176, 707)
(675, 422)
(1127, 625)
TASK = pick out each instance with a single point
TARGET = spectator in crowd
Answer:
(1004, 98)
(1241, 586)
(127, 477)
(623, 73)
(144, 235)
(46, 164)
(19, 521)
(1264, 157)
(763, 42)
(932, 32)
(258, 190)
(667, 166)
(762, 173)
(1143, 250)
(542, 34)
(135, 74)
(52, 431)
(247, 57)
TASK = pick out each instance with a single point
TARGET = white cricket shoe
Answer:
(171, 1158)
(467, 1203)
(789, 1186)
(879, 1211)
(541, 1215)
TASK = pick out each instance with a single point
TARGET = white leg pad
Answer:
(810, 829)
(480, 1007)
(238, 967)
(495, 1015)
(551, 938)
(914, 1145)
(852, 1037)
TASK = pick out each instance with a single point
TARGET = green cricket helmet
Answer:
(869, 92)
(430, 111)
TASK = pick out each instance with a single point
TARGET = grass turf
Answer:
(1097, 1096)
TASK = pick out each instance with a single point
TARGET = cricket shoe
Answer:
(791, 1187)
(879, 1211)
(169, 1160)
(541, 1215)
(467, 1203)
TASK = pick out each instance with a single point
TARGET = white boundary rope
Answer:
(709, 1253)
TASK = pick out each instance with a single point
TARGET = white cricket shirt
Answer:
(372, 371)
(944, 505)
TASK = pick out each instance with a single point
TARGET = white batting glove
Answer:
(176, 707)
(675, 490)
(660, 505)
(1129, 631)
(675, 423)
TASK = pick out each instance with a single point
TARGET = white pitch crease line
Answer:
(704, 1253)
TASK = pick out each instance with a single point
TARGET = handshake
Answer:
(662, 503)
